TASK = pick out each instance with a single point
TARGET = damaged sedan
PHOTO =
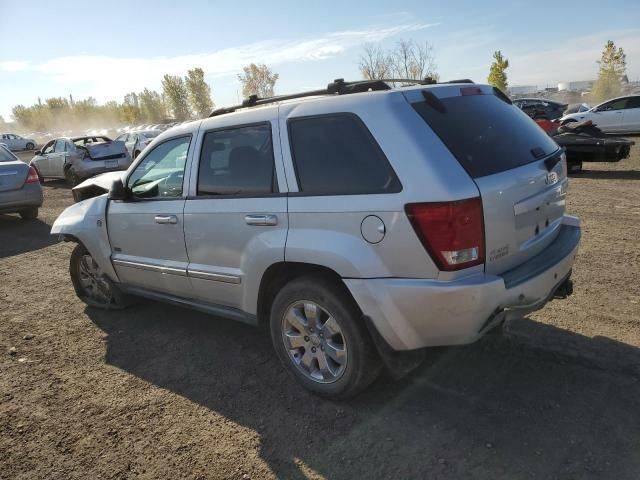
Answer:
(76, 159)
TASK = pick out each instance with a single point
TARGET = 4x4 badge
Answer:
(551, 179)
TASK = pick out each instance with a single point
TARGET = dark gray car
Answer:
(20, 190)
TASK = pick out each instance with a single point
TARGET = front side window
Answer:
(48, 148)
(614, 105)
(336, 155)
(161, 172)
(237, 161)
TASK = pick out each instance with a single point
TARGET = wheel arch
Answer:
(279, 274)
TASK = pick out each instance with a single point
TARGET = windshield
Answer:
(486, 134)
(6, 155)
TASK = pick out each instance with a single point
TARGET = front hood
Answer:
(104, 180)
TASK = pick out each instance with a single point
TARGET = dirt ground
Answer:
(161, 392)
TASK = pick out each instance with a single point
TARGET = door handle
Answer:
(261, 219)
(166, 219)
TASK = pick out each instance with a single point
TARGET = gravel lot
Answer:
(161, 392)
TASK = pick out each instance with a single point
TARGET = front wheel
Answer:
(29, 214)
(92, 286)
(30, 146)
(320, 337)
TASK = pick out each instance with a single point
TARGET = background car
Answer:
(20, 190)
(577, 108)
(541, 107)
(78, 158)
(138, 140)
(16, 142)
(618, 115)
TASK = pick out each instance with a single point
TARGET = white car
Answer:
(619, 115)
(16, 142)
(136, 141)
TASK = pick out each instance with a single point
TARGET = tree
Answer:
(152, 107)
(199, 92)
(177, 97)
(375, 63)
(497, 72)
(258, 80)
(613, 67)
(413, 60)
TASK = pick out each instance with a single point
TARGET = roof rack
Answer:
(337, 87)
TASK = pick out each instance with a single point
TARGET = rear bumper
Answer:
(28, 196)
(416, 313)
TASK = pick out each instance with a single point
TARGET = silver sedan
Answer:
(20, 190)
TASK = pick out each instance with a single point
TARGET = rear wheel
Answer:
(29, 214)
(92, 286)
(71, 177)
(319, 335)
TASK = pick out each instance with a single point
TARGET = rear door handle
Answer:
(166, 219)
(261, 219)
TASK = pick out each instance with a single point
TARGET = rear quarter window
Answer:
(337, 155)
(486, 134)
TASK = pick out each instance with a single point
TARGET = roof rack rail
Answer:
(337, 87)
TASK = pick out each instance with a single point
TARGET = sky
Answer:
(110, 48)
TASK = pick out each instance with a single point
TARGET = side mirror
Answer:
(38, 152)
(118, 191)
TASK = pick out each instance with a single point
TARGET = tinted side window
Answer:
(633, 102)
(161, 173)
(336, 155)
(237, 161)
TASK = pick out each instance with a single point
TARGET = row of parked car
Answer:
(617, 115)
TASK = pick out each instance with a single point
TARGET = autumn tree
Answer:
(258, 80)
(497, 72)
(199, 92)
(375, 63)
(613, 67)
(151, 105)
(175, 92)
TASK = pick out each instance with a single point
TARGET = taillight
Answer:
(32, 176)
(452, 232)
(147, 142)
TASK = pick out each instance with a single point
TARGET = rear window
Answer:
(151, 134)
(6, 155)
(336, 155)
(486, 134)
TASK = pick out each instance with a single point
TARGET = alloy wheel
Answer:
(315, 342)
(92, 281)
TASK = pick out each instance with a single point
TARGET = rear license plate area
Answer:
(111, 164)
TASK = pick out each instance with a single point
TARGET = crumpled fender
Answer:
(86, 223)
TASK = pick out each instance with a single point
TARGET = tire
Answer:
(71, 177)
(359, 363)
(30, 146)
(91, 285)
(574, 167)
(29, 214)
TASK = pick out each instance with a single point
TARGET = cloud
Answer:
(114, 76)
(573, 59)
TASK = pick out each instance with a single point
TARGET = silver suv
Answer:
(358, 221)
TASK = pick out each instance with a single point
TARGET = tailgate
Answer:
(519, 170)
(106, 150)
(12, 175)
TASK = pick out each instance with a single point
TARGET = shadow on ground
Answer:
(495, 409)
(20, 236)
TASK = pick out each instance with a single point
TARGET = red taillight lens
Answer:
(147, 142)
(32, 176)
(452, 232)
